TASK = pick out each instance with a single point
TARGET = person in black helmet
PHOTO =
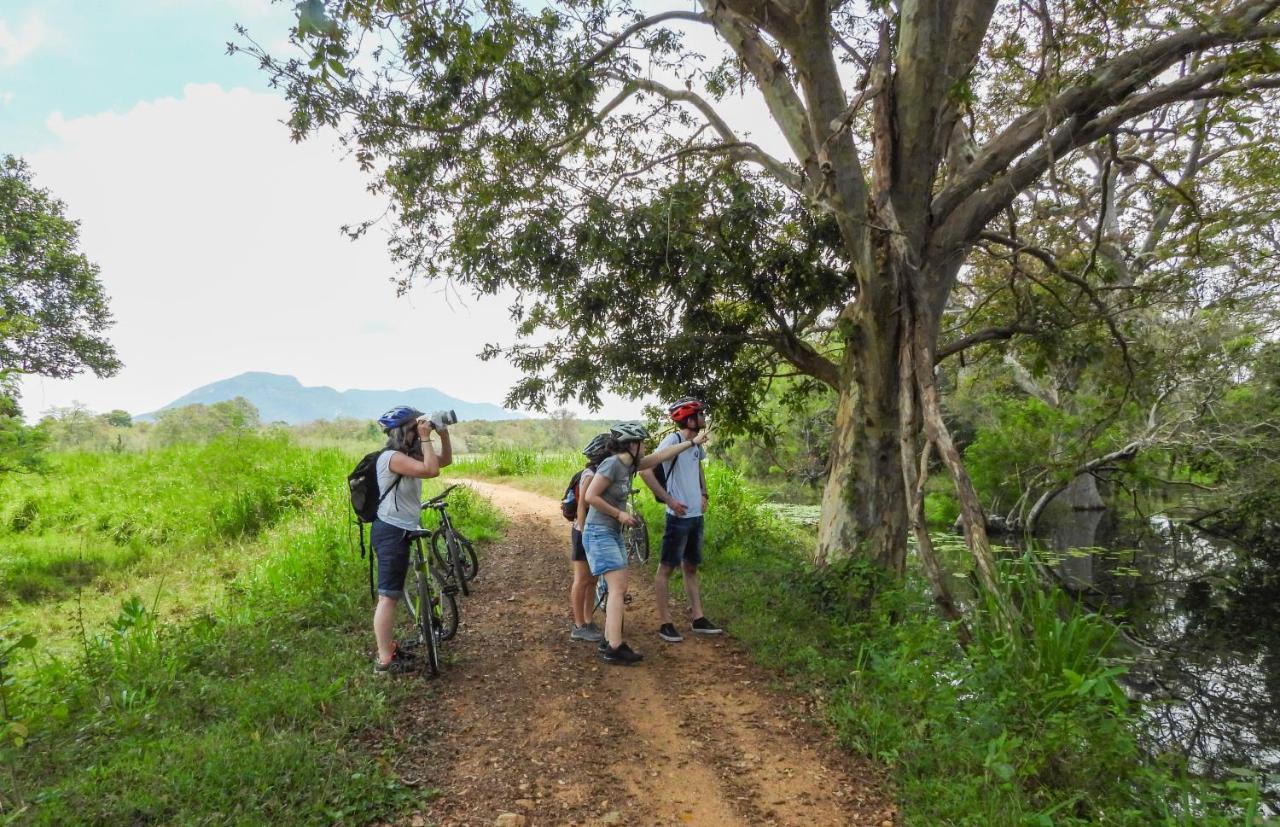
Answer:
(582, 594)
(407, 460)
(606, 514)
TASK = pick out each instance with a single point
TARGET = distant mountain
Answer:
(285, 399)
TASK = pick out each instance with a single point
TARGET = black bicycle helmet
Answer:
(598, 448)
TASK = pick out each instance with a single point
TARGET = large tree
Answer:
(582, 154)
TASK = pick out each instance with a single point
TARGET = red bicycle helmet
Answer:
(685, 407)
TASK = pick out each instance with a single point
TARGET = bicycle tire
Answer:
(470, 562)
(447, 561)
(419, 601)
(446, 610)
(637, 540)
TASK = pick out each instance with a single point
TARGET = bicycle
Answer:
(458, 559)
(431, 603)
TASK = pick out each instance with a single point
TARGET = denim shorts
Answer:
(604, 549)
(391, 546)
(682, 541)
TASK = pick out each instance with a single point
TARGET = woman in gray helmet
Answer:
(582, 593)
(606, 499)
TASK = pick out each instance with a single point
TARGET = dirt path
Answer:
(524, 721)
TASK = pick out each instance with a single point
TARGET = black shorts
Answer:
(391, 547)
(682, 541)
(579, 551)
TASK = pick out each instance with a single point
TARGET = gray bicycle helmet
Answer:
(629, 432)
(598, 448)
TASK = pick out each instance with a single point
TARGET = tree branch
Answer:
(640, 25)
(1108, 85)
(991, 334)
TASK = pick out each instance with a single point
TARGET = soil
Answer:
(525, 727)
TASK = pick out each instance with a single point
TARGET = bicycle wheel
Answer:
(470, 562)
(419, 600)
(445, 610)
(602, 595)
(637, 540)
(442, 561)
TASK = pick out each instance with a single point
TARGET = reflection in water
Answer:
(1209, 615)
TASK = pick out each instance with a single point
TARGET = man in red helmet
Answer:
(685, 495)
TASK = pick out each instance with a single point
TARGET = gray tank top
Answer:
(401, 508)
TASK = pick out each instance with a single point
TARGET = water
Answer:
(1204, 618)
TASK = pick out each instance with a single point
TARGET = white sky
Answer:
(218, 238)
(220, 248)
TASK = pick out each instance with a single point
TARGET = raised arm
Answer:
(663, 454)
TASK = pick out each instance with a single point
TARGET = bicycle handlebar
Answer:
(438, 500)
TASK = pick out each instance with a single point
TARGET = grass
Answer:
(257, 706)
(546, 474)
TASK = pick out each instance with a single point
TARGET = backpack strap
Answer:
(667, 485)
(393, 487)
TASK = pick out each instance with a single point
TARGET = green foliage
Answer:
(54, 308)
(201, 423)
(260, 707)
(1031, 727)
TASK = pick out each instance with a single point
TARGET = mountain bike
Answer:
(635, 539)
(431, 603)
(452, 553)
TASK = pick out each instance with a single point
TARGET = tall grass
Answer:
(542, 473)
(1030, 726)
(261, 707)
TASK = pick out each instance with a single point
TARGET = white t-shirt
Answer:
(683, 474)
(401, 508)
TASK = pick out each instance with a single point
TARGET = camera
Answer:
(440, 418)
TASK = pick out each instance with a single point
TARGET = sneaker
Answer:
(667, 632)
(395, 666)
(622, 656)
(602, 646)
(586, 632)
(702, 626)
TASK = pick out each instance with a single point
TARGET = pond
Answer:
(1206, 616)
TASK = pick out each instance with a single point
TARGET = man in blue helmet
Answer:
(407, 460)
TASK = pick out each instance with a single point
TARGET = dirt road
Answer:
(527, 723)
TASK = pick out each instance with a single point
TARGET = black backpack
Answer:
(362, 483)
(569, 502)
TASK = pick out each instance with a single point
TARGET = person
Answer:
(582, 594)
(606, 514)
(407, 460)
(685, 496)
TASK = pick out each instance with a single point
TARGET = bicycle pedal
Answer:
(450, 588)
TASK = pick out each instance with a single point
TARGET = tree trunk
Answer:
(864, 507)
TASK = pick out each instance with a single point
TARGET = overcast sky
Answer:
(218, 238)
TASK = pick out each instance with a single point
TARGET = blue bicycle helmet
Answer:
(398, 416)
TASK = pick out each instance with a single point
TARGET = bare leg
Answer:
(617, 581)
(692, 591)
(384, 617)
(589, 598)
(579, 593)
(662, 593)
